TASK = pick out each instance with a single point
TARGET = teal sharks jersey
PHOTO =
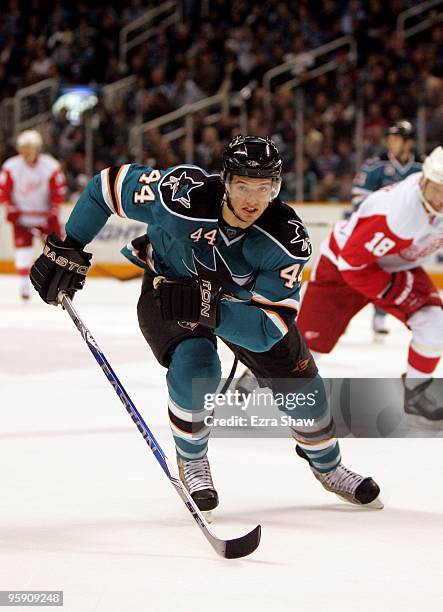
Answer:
(259, 268)
(377, 172)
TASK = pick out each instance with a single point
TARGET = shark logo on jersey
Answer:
(181, 188)
(300, 236)
(221, 273)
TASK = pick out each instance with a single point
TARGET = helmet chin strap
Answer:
(428, 206)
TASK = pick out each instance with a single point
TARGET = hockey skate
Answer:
(196, 476)
(347, 484)
(25, 289)
(421, 404)
(379, 326)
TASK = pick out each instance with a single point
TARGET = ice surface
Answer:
(85, 508)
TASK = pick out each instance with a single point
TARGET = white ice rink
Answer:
(85, 508)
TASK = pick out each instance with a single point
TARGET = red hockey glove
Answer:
(13, 214)
(409, 291)
(51, 215)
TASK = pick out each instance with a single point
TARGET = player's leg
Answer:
(23, 257)
(379, 326)
(327, 307)
(289, 368)
(187, 354)
(425, 351)
(193, 358)
(424, 354)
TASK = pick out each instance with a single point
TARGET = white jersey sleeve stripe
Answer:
(288, 302)
(277, 320)
(104, 178)
(123, 171)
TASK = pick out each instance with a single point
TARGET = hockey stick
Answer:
(230, 549)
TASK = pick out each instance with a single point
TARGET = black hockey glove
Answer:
(61, 267)
(188, 300)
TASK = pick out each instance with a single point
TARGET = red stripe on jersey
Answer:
(421, 363)
(57, 188)
(5, 186)
(333, 245)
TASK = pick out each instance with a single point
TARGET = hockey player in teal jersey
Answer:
(223, 258)
(393, 166)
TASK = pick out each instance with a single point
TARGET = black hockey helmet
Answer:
(401, 128)
(254, 157)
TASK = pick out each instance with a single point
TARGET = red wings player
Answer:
(376, 256)
(32, 186)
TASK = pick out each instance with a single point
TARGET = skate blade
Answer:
(208, 515)
(375, 504)
(380, 337)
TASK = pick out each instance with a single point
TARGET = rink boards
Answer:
(108, 261)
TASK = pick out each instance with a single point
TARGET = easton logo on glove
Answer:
(188, 299)
(206, 299)
(61, 268)
(61, 261)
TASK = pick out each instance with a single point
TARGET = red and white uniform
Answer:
(27, 190)
(391, 232)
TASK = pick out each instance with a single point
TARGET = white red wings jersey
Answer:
(390, 232)
(32, 187)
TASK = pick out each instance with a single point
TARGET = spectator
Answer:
(232, 47)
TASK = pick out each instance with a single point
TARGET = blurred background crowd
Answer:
(221, 45)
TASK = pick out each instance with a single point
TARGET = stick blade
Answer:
(243, 546)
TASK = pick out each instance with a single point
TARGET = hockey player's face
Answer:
(249, 197)
(398, 146)
(433, 194)
(30, 154)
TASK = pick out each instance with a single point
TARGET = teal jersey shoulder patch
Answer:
(284, 234)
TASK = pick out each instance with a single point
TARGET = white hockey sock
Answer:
(412, 375)
(23, 257)
(24, 285)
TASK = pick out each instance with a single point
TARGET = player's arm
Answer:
(256, 324)
(57, 189)
(6, 187)
(266, 319)
(64, 263)
(372, 239)
(128, 190)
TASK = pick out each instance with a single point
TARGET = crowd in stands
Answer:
(230, 45)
